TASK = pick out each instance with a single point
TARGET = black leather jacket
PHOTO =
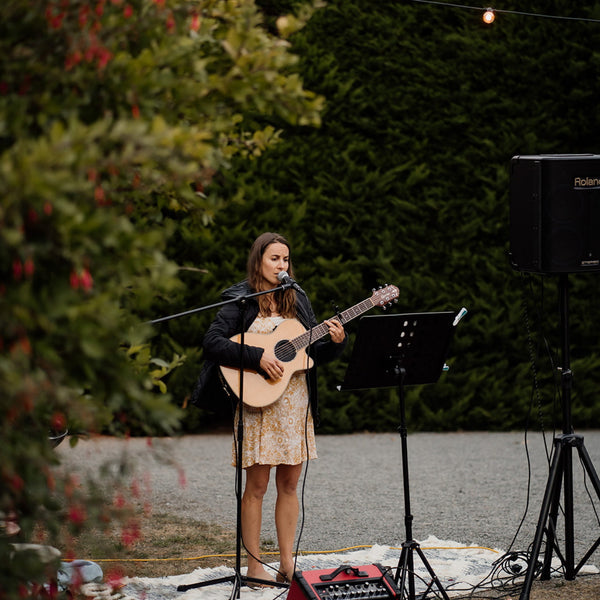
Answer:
(220, 350)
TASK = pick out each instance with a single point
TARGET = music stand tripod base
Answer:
(400, 350)
(231, 579)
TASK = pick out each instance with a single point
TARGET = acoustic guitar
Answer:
(288, 342)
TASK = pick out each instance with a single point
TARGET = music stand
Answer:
(400, 350)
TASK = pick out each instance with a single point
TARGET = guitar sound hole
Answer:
(285, 351)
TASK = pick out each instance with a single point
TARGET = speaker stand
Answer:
(561, 471)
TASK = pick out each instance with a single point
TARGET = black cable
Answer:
(512, 565)
(308, 457)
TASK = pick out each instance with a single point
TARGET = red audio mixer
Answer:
(368, 582)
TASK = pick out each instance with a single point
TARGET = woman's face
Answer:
(276, 258)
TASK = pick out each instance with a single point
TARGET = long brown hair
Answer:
(285, 300)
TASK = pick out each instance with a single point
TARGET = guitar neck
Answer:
(320, 331)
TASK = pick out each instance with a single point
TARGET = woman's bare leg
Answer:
(257, 480)
(286, 514)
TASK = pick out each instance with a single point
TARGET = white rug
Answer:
(459, 569)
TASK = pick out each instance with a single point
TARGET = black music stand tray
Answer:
(400, 350)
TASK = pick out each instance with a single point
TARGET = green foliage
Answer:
(406, 182)
(115, 116)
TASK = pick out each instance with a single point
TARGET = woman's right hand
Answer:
(271, 366)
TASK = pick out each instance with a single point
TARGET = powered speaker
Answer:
(367, 582)
(555, 213)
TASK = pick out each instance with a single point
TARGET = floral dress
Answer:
(283, 432)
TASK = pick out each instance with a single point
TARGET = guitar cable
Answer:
(308, 458)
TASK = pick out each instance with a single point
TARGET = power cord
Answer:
(513, 565)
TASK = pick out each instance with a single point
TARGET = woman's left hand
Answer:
(336, 331)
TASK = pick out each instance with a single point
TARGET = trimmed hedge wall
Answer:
(406, 182)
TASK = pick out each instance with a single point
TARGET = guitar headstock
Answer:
(385, 295)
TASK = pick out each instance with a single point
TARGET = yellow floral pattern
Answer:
(283, 432)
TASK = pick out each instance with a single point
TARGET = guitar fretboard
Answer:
(320, 331)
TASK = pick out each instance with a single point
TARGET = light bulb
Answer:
(488, 16)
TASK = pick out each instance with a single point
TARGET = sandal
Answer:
(256, 585)
(282, 578)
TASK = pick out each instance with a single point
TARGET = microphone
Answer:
(285, 279)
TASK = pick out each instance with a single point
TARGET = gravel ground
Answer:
(472, 488)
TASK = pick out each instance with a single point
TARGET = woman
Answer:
(280, 435)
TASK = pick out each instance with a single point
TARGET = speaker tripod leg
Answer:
(405, 572)
(551, 522)
(593, 475)
(551, 499)
(434, 577)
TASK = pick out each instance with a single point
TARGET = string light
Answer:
(495, 11)
(488, 16)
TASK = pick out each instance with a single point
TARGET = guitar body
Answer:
(259, 391)
(288, 342)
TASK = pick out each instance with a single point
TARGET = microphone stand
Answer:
(237, 578)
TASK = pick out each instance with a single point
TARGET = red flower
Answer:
(47, 208)
(76, 514)
(128, 11)
(32, 216)
(58, 421)
(15, 482)
(170, 23)
(99, 196)
(29, 267)
(73, 59)
(74, 280)
(135, 111)
(83, 15)
(86, 281)
(51, 589)
(131, 533)
(104, 56)
(69, 555)
(55, 21)
(195, 24)
(114, 578)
